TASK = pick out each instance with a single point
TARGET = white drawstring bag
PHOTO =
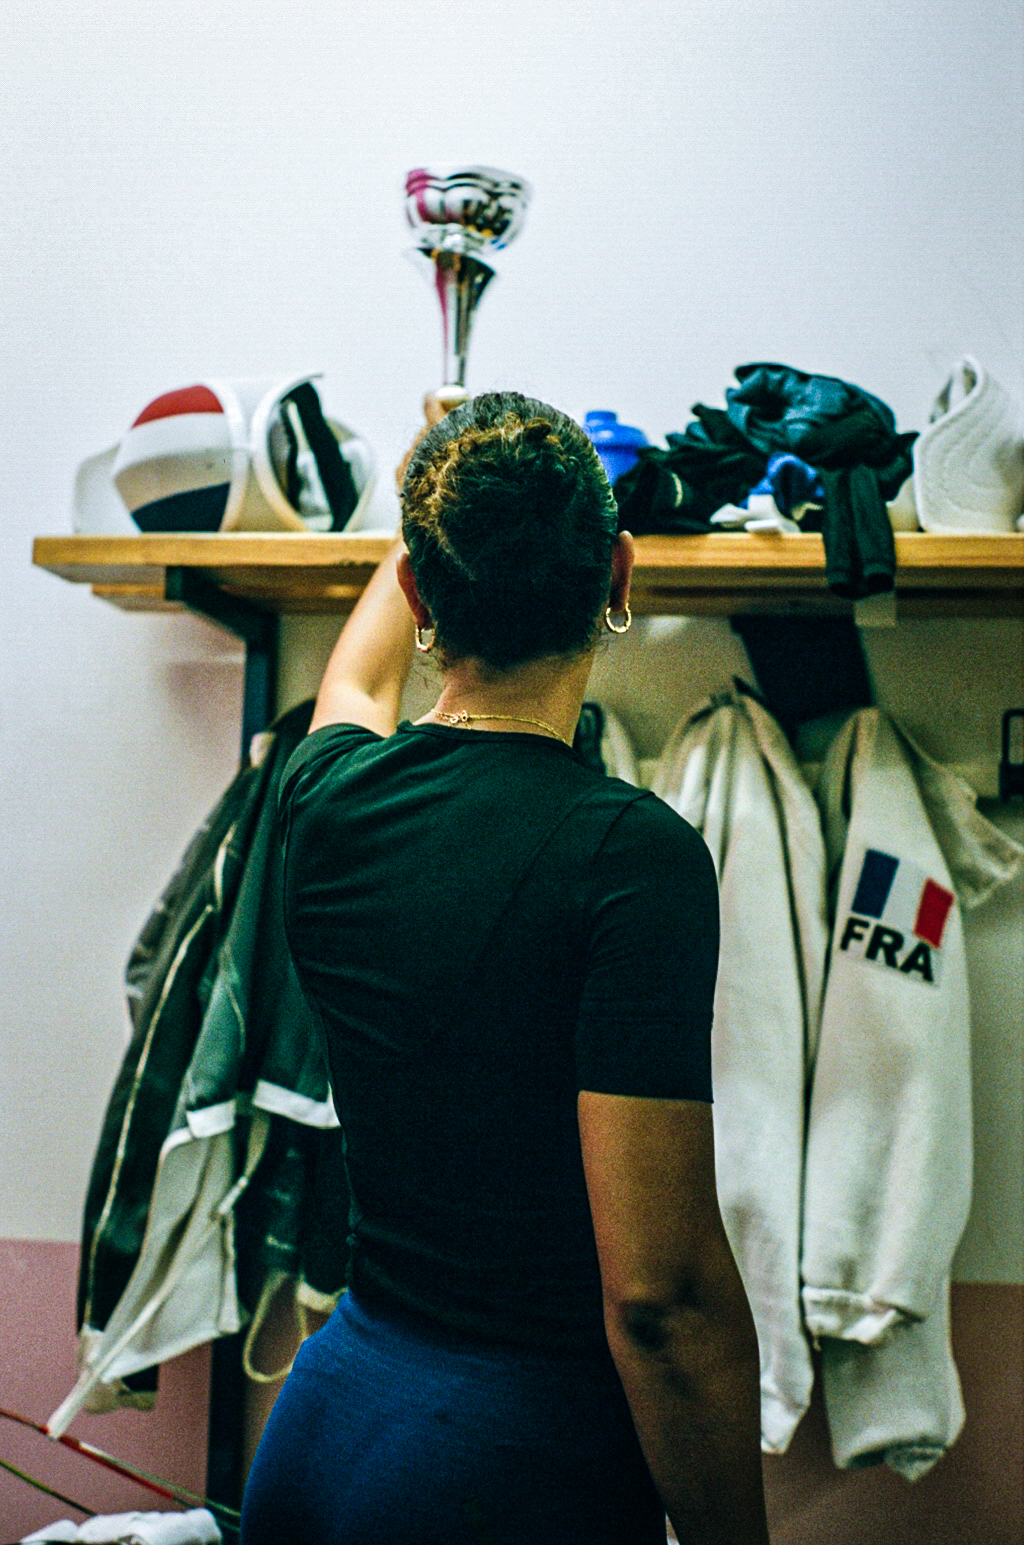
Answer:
(238, 455)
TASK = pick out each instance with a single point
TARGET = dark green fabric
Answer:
(294, 1216)
(213, 997)
(825, 421)
(860, 554)
(187, 916)
(850, 437)
(485, 926)
(845, 433)
(164, 978)
(678, 490)
(587, 740)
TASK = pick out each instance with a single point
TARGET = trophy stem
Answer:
(460, 279)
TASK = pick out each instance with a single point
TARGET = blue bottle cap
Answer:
(616, 444)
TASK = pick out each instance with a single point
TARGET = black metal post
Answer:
(225, 1434)
(1011, 767)
(258, 629)
(254, 624)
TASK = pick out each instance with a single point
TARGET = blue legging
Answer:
(392, 1432)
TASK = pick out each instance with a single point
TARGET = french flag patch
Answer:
(897, 918)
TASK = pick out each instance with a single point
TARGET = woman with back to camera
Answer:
(513, 958)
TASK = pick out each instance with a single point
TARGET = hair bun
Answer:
(539, 431)
(510, 524)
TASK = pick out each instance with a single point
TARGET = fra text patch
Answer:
(897, 918)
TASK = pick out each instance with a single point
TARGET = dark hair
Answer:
(510, 522)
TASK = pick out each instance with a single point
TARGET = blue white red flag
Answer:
(897, 918)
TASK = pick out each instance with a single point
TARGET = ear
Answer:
(623, 555)
(407, 581)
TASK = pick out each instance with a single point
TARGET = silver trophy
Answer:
(456, 215)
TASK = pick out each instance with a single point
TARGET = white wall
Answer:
(215, 188)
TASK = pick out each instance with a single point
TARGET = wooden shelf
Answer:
(720, 574)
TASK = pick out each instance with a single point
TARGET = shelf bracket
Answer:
(253, 624)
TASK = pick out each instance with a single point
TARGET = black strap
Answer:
(335, 473)
(292, 482)
(806, 667)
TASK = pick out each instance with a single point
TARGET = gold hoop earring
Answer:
(618, 627)
(425, 648)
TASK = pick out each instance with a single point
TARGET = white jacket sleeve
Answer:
(898, 1402)
(888, 1181)
(753, 819)
(888, 1168)
(617, 752)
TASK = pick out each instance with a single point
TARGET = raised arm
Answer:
(676, 1316)
(369, 664)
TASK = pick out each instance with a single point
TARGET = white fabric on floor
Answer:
(196, 1527)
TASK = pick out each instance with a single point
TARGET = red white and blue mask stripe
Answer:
(173, 467)
(897, 918)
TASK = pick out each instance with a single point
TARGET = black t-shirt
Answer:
(484, 927)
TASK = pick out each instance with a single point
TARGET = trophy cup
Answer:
(457, 215)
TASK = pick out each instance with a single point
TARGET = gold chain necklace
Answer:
(461, 720)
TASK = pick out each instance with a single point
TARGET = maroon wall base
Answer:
(974, 1496)
(37, 1369)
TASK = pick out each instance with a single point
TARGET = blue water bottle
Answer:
(616, 444)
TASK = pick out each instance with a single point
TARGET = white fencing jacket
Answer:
(617, 752)
(182, 1291)
(731, 773)
(888, 1162)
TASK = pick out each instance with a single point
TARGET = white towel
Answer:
(731, 774)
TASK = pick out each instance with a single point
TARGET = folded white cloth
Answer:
(731, 773)
(969, 462)
(761, 514)
(196, 1527)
